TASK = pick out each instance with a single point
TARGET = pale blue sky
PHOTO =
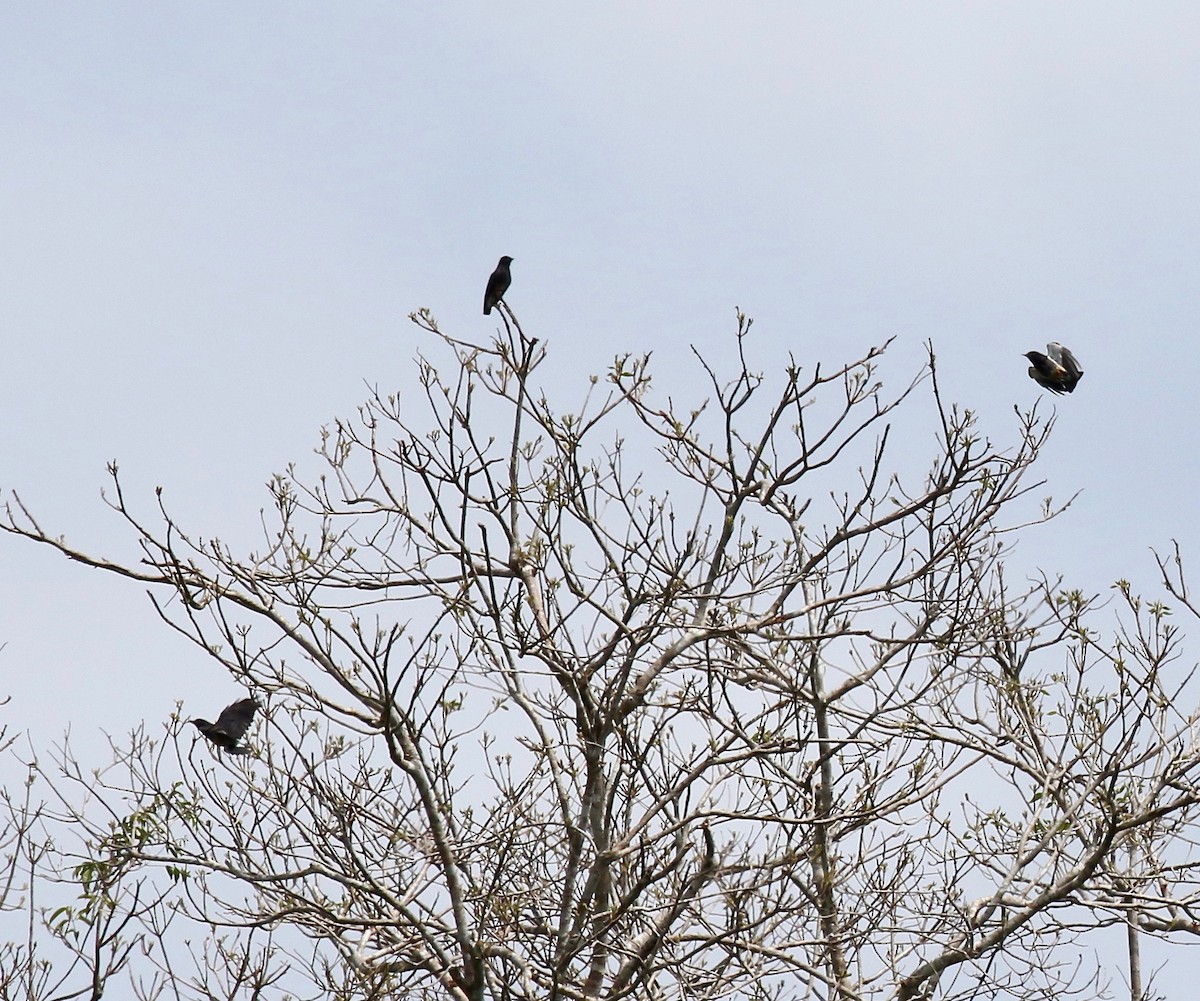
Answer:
(215, 218)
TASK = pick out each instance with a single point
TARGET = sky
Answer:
(215, 219)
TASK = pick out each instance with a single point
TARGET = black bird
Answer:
(497, 285)
(1057, 369)
(230, 726)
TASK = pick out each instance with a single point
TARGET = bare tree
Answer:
(654, 700)
(79, 920)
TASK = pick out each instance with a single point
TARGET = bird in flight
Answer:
(1057, 370)
(497, 285)
(230, 726)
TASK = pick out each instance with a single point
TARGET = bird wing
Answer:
(1064, 358)
(235, 719)
(1070, 363)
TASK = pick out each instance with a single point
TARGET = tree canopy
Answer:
(631, 697)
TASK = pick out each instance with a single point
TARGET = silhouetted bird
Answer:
(1057, 369)
(230, 726)
(497, 285)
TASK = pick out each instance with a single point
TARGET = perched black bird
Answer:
(230, 726)
(497, 285)
(1057, 369)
